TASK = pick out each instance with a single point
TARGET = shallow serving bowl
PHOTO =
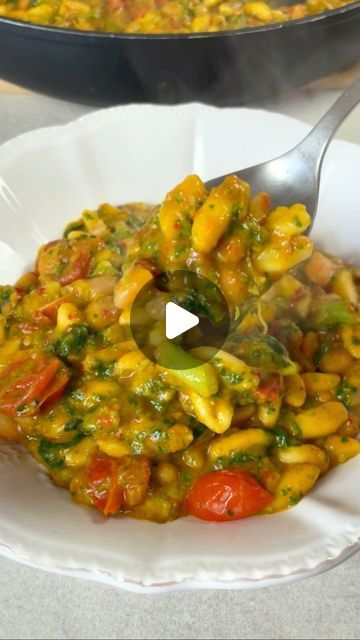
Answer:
(223, 68)
(137, 153)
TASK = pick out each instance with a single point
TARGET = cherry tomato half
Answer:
(117, 483)
(225, 495)
(65, 260)
(30, 380)
(269, 390)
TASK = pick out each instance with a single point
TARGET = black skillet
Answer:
(223, 68)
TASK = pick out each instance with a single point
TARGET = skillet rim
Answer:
(29, 28)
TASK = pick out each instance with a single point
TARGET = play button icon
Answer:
(178, 320)
(183, 309)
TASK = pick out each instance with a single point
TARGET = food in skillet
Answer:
(248, 430)
(159, 16)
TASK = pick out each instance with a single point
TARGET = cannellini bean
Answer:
(194, 458)
(288, 221)
(130, 362)
(101, 313)
(258, 10)
(277, 257)
(166, 473)
(156, 508)
(157, 335)
(101, 286)
(232, 250)
(242, 414)
(321, 420)
(185, 198)
(179, 436)
(268, 412)
(227, 9)
(215, 413)
(86, 290)
(96, 391)
(296, 481)
(113, 446)
(255, 440)
(78, 456)
(343, 284)
(310, 345)
(304, 453)
(337, 360)
(129, 286)
(294, 388)
(341, 448)
(8, 348)
(232, 283)
(260, 206)
(351, 339)
(318, 383)
(125, 317)
(353, 375)
(287, 286)
(213, 218)
(200, 23)
(233, 372)
(67, 315)
(269, 474)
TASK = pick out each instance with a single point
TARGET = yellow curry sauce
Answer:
(159, 16)
(278, 406)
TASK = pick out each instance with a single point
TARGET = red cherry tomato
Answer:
(269, 390)
(225, 495)
(107, 494)
(55, 391)
(48, 313)
(30, 380)
(65, 260)
(117, 483)
(78, 267)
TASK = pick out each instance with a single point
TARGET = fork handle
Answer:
(317, 141)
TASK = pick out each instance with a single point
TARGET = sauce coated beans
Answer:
(159, 16)
(251, 427)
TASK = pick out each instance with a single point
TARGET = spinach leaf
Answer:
(282, 438)
(333, 313)
(53, 452)
(344, 392)
(72, 341)
(263, 352)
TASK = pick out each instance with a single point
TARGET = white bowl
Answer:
(137, 153)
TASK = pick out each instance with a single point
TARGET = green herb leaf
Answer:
(333, 313)
(72, 341)
(53, 452)
(73, 424)
(282, 438)
(263, 352)
(344, 392)
(103, 369)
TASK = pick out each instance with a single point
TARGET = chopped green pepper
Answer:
(186, 370)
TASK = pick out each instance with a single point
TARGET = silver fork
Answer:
(295, 176)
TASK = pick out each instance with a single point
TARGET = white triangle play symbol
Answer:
(178, 320)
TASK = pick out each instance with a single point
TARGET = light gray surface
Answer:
(20, 113)
(38, 605)
(34, 604)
